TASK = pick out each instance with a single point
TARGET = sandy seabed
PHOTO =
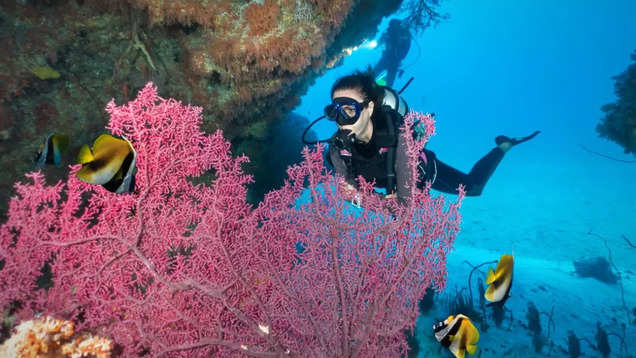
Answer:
(548, 212)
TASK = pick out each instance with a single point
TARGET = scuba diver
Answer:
(368, 142)
(397, 42)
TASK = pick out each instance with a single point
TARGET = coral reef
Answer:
(246, 63)
(539, 339)
(619, 123)
(574, 346)
(185, 268)
(596, 267)
(602, 341)
(50, 337)
(498, 314)
(534, 322)
(423, 13)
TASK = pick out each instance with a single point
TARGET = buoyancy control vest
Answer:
(376, 160)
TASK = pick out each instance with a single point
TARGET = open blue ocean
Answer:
(513, 67)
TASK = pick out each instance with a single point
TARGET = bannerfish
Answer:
(500, 281)
(51, 150)
(458, 334)
(111, 162)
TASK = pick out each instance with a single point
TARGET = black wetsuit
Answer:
(369, 161)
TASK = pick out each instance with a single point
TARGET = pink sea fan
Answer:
(183, 269)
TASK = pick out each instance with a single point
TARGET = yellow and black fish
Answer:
(110, 163)
(458, 334)
(51, 150)
(500, 281)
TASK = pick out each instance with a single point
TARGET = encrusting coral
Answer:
(619, 122)
(245, 62)
(49, 337)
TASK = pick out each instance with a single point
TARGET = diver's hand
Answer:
(357, 201)
(351, 194)
(349, 187)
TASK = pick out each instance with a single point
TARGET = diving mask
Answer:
(345, 110)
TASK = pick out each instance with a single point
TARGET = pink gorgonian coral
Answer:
(184, 268)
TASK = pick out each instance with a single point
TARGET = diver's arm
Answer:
(402, 171)
(339, 166)
(349, 184)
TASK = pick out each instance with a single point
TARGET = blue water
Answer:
(512, 67)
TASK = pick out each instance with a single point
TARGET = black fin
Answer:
(514, 141)
(114, 184)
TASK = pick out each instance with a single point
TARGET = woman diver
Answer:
(368, 142)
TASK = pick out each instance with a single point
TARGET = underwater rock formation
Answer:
(596, 267)
(274, 150)
(619, 123)
(245, 62)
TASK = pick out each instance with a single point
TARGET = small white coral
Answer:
(88, 346)
(263, 328)
(50, 337)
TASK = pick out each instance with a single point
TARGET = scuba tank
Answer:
(392, 99)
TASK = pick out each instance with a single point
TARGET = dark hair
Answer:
(363, 81)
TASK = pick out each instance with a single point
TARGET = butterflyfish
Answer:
(51, 150)
(111, 162)
(500, 281)
(458, 334)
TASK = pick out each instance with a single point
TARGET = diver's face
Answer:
(363, 125)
